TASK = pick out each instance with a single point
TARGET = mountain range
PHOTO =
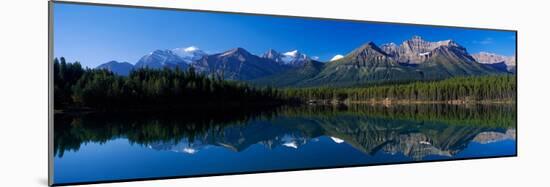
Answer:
(292, 58)
(414, 59)
(238, 64)
(505, 63)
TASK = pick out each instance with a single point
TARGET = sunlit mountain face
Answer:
(415, 59)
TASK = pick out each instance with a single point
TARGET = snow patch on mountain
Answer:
(293, 58)
(189, 54)
(336, 57)
(424, 54)
(160, 59)
(293, 53)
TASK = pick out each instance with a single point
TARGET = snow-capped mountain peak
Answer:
(292, 53)
(189, 54)
(161, 58)
(294, 57)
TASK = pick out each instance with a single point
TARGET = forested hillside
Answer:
(76, 87)
(472, 89)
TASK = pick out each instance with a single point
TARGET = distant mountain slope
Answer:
(498, 61)
(371, 64)
(292, 76)
(365, 64)
(189, 54)
(237, 64)
(414, 59)
(450, 61)
(501, 66)
(291, 58)
(414, 50)
(159, 59)
(120, 68)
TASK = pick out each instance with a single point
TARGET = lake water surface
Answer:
(118, 146)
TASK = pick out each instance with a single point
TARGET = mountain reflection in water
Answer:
(381, 134)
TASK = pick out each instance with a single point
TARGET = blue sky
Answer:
(96, 34)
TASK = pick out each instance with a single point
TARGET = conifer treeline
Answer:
(473, 88)
(77, 87)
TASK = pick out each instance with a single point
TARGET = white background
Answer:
(23, 94)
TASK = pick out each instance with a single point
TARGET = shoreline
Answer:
(411, 102)
(174, 108)
(248, 106)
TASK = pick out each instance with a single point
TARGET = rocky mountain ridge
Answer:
(414, 59)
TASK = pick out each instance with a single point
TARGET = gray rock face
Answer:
(159, 59)
(174, 58)
(189, 54)
(416, 50)
(237, 64)
(391, 49)
(415, 59)
(491, 58)
(291, 58)
(273, 55)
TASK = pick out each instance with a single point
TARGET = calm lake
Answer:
(117, 146)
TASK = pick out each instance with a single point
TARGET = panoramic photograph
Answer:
(142, 93)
